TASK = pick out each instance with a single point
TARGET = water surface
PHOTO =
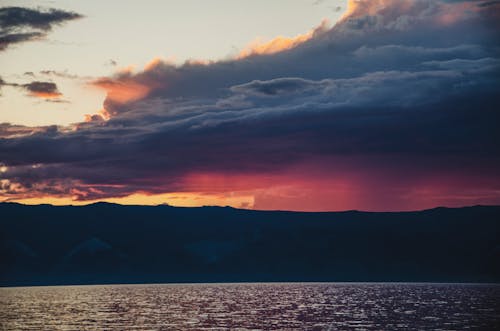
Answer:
(274, 306)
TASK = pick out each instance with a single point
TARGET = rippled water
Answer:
(287, 306)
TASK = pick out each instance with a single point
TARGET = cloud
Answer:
(371, 112)
(111, 63)
(122, 90)
(2, 83)
(281, 43)
(60, 74)
(46, 90)
(39, 89)
(18, 24)
(274, 87)
(14, 38)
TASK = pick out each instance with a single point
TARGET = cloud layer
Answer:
(395, 107)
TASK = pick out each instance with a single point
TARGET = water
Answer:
(287, 306)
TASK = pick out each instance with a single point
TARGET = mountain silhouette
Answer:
(108, 243)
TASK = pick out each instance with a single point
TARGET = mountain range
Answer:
(108, 243)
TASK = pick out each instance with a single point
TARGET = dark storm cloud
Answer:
(18, 24)
(409, 90)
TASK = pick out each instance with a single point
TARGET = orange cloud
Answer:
(153, 63)
(46, 95)
(447, 13)
(198, 62)
(122, 90)
(358, 8)
(101, 115)
(280, 43)
(354, 7)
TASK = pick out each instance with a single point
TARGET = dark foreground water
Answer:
(293, 306)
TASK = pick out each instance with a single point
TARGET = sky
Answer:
(105, 40)
(294, 105)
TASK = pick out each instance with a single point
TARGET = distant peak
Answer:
(103, 203)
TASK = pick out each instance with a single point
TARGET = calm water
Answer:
(328, 306)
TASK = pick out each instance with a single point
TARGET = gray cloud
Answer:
(61, 74)
(275, 87)
(18, 24)
(14, 38)
(41, 89)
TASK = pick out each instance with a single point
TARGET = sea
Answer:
(252, 306)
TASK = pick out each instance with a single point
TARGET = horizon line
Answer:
(248, 209)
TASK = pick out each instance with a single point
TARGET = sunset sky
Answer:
(314, 105)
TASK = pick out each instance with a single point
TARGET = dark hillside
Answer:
(106, 243)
